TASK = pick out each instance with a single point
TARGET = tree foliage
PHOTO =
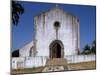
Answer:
(90, 49)
(93, 49)
(86, 49)
(15, 53)
(17, 10)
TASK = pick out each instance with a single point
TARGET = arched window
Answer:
(31, 52)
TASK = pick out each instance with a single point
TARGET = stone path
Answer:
(53, 68)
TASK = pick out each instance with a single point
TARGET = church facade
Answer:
(56, 35)
(56, 43)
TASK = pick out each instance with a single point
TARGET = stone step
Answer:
(54, 68)
(56, 62)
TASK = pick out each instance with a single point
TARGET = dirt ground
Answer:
(75, 66)
(27, 71)
(82, 66)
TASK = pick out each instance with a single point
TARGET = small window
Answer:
(56, 24)
(31, 52)
(13, 61)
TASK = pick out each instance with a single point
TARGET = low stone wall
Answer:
(28, 62)
(31, 62)
(80, 58)
(17, 62)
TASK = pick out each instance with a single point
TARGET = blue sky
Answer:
(24, 32)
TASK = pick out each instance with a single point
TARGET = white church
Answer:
(57, 36)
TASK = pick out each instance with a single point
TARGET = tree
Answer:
(93, 49)
(86, 49)
(17, 10)
(15, 53)
(90, 50)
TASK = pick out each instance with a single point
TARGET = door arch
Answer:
(56, 49)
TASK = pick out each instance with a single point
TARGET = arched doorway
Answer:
(56, 49)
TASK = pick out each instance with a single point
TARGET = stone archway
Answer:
(56, 49)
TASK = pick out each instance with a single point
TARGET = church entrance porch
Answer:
(56, 49)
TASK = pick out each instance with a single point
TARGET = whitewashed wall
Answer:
(24, 51)
(30, 62)
(46, 33)
(17, 62)
(80, 58)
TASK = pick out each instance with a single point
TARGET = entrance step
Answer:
(55, 64)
